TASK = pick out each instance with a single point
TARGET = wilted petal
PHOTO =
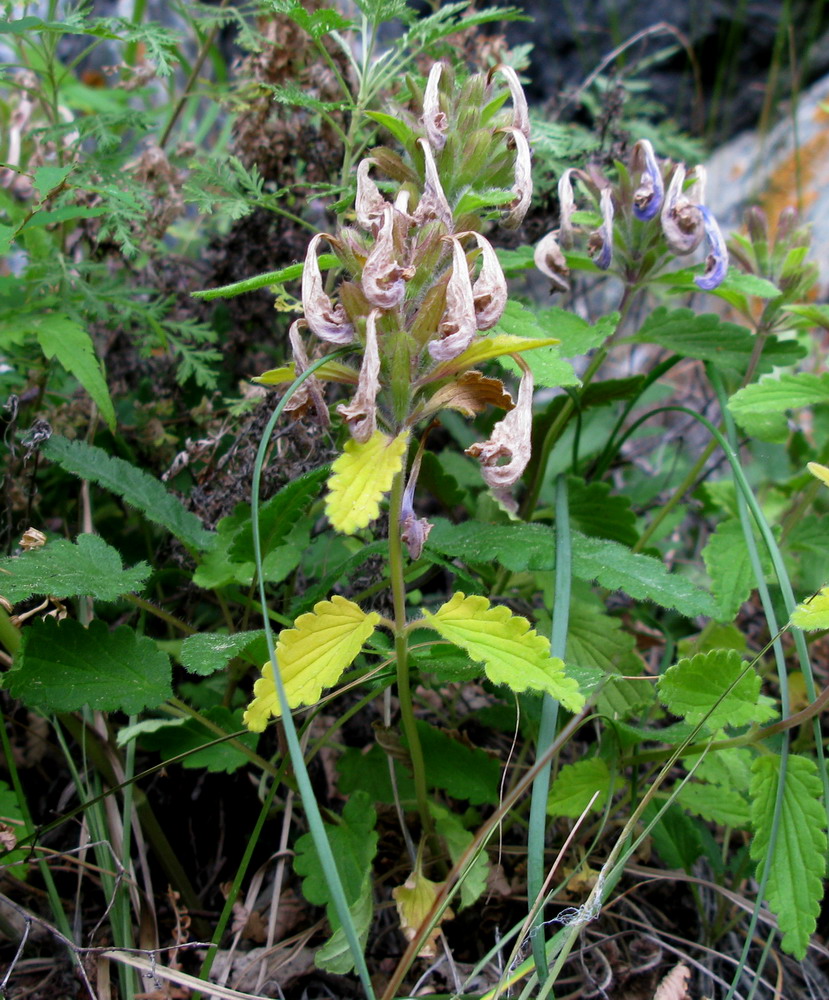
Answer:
(413, 530)
(310, 392)
(600, 243)
(550, 261)
(716, 263)
(433, 203)
(383, 279)
(434, 120)
(327, 321)
(459, 325)
(370, 205)
(567, 205)
(489, 293)
(510, 439)
(647, 198)
(523, 186)
(520, 113)
(361, 413)
(682, 221)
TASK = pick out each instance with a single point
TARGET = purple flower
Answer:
(647, 198)
(716, 263)
(600, 244)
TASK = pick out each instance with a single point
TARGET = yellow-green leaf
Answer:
(812, 613)
(485, 349)
(360, 477)
(311, 656)
(331, 371)
(820, 471)
(512, 652)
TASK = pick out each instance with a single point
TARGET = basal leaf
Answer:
(207, 652)
(778, 394)
(512, 653)
(414, 899)
(484, 349)
(137, 488)
(813, 613)
(61, 568)
(693, 687)
(796, 866)
(597, 512)
(576, 784)
(63, 667)
(360, 478)
(311, 656)
(335, 956)
(62, 338)
(675, 836)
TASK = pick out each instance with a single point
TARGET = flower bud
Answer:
(567, 206)
(489, 292)
(433, 203)
(520, 112)
(600, 243)
(370, 204)
(310, 392)
(523, 186)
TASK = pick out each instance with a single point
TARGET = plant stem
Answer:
(401, 649)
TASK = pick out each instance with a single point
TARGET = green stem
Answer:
(401, 649)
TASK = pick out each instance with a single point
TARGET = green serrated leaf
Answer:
(353, 844)
(728, 562)
(457, 839)
(87, 567)
(695, 687)
(676, 836)
(177, 736)
(335, 956)
(462, 770)
(640, 576)
(546, 363)
(278, 515)
(369, 772)
(207, 652)
(707, 337)
(576, 784)
(712, 804)
(137, 488)
(63, 667)
(600, 514)
(62, 338)
(778, 394)
(797, 864)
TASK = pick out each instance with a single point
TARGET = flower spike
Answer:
(327, 321)
(647, 198)
(716, 263)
